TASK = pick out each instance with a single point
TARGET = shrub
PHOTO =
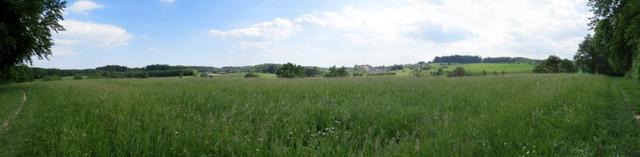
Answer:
(382, 74)
(115, 75)
(251, 75)
(137, 74)
(337, 72)
(195, 73)
(18, 73)
(438, 73)
(52, 78)
(77, 77)
(459, 71)
(95, 76)
(554, 64)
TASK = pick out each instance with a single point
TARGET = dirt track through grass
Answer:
(7, 122)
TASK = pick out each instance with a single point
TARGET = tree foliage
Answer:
(19, 73)
(25, 30)
(311, 71)
(462, 59)
(615, 45)
(266, 68)
(554, 64)
(290, 70)
(113, 68)
(337, 72)
(457, 72)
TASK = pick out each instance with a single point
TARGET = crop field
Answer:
(509, 115)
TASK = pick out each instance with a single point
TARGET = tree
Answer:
(458, 72)
(566, 66)
(342, 71)
(416, 72)
(337, 72)
(554, 64)
(458, 59)
(290, 70)
(311, 71)
(585, 56)
(95, 76)
(157, 67)
(195, 73)
(25, 30)
(77, 77)
(113, 68)
(266, 68)
(19, 73)
(615, 46)
(251, 75)
(422, 64)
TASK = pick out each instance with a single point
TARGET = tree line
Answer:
(614, 48)
(466, 59)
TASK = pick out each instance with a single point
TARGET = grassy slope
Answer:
(538, 115)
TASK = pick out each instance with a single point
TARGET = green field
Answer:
(510, 115)
(490, 68)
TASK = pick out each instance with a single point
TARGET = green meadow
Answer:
(507, 115)
(493, 67)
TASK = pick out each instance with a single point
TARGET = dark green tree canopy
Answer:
(290, 70)
(615, 45)
(554, 64)
(25, 29)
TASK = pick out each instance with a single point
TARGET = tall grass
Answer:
(515, 115)
(478, 68)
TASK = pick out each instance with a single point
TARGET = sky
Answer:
(311, 32)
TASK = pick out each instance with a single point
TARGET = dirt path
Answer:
(629, 105)
(7, 122)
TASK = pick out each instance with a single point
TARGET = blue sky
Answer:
(312, 32)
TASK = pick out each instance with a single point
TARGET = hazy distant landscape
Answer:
(546, 78)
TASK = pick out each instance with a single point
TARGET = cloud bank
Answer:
(407, 30)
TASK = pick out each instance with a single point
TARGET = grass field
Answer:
(490, 68)
(511, 115)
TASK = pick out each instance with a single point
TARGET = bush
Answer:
(52, 78)
(18, 73)
(77, 77)
(382, 74)
(438, 73)
(458, 72)
(337, 72)
(554, 64)
(251, 75)
(95, 76)
(195, 73)
(137, 74)
(115, 75)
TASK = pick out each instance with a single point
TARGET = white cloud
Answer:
(84, 6)
(168, 1)
(261, 34)
(413, 29)
(89, 34)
